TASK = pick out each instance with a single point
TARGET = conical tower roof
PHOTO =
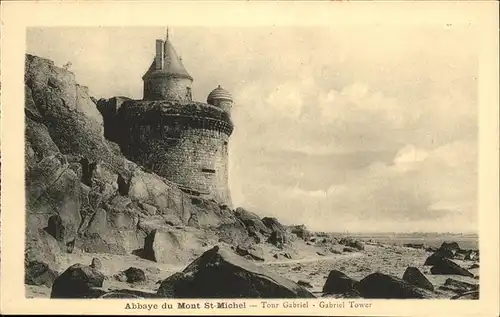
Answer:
(172, 63)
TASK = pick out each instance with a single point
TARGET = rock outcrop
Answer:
(81, 191)
(219, 273)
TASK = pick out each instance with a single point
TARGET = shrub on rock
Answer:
(77, 281)
(219, 273)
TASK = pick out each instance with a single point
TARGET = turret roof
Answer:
(219, 93)
(172, 63)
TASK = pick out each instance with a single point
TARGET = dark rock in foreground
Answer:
(438, 256)
(379, 285)
(413, 276)
(134, 275)
(338, 283)
(39, 273)
(219, 273)
(77, 281)
(446, 266)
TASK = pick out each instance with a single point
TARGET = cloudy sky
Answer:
(349, 128)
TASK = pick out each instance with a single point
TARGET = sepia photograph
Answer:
(287, 162)
(324, 165)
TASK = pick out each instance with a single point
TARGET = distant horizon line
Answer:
(400, 232)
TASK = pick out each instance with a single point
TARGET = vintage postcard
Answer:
(265, 158)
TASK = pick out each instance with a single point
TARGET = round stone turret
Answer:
(219, 97)
(186, 143)
(167, 78)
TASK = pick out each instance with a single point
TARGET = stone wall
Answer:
(163, 87)
(187, 148)
(225, 105)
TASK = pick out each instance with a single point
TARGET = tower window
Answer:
(208, 170)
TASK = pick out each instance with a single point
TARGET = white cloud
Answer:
(392, 196)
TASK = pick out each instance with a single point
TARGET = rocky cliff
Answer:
(81, 192)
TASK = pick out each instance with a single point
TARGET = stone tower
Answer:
(179, 139)
(167, 77)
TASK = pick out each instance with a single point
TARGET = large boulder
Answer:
(413, 276)
(174, 246)
(252, 222)
(438, 256)
(219, 273)
(77, 281)
(39, 273)
(155, 191)
(447, 266)
(379, 285)
(338, 283)
(134, 275)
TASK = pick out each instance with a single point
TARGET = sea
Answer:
(465, 241)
